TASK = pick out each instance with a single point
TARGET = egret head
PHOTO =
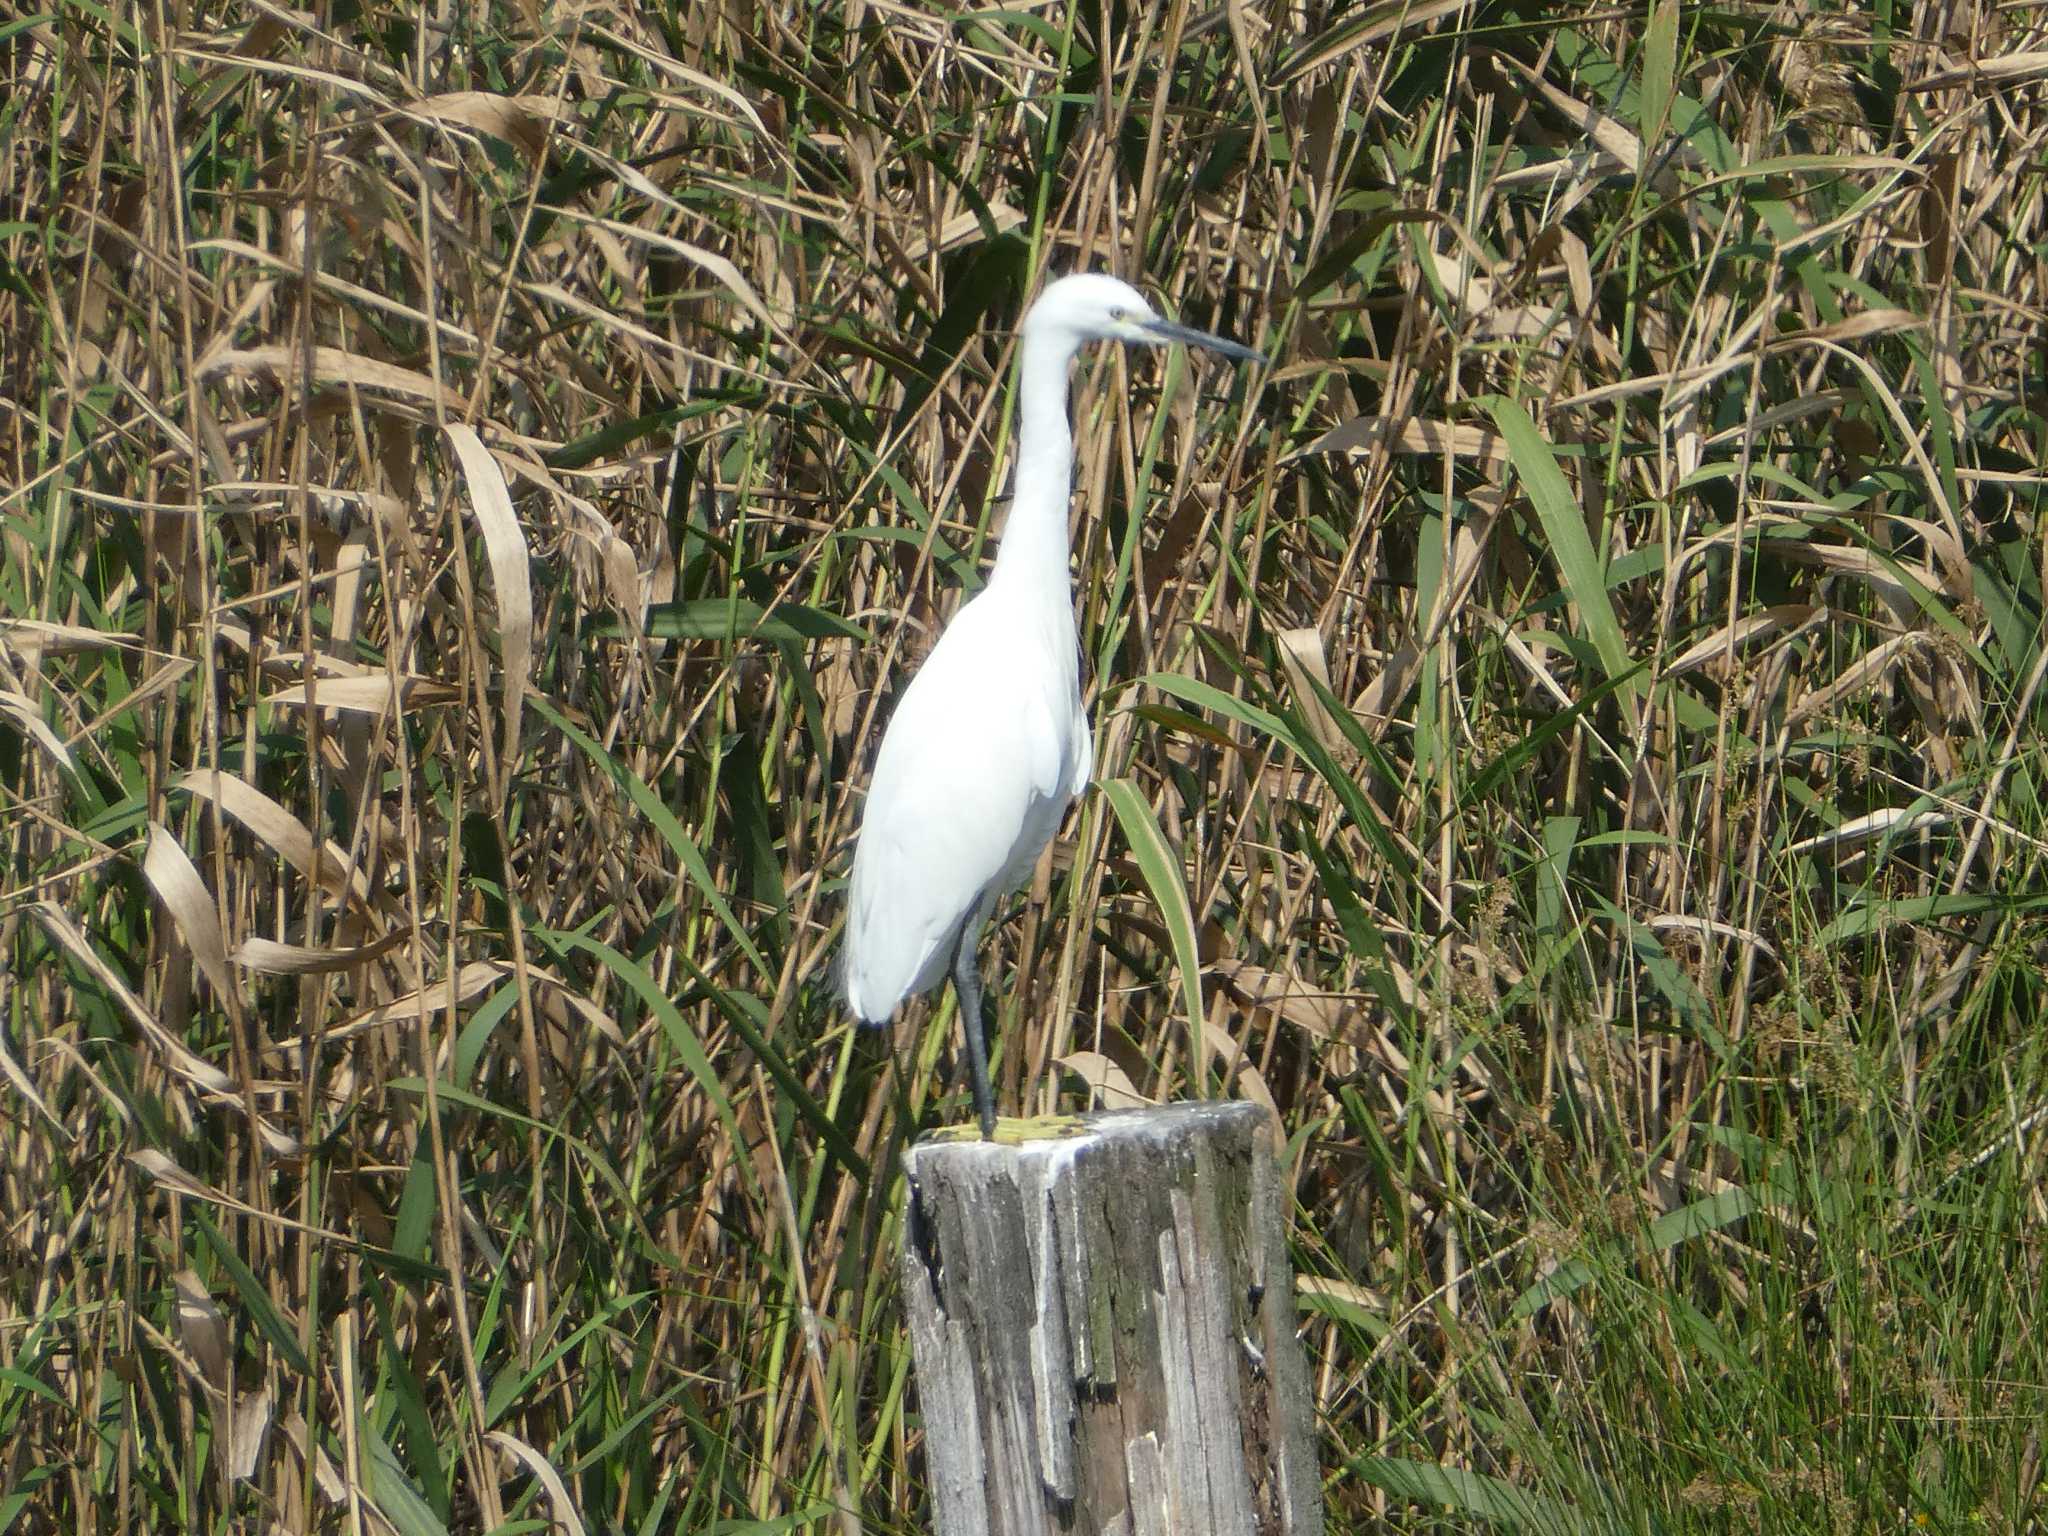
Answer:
(1092, 306)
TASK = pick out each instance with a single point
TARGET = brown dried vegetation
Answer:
(470, 483)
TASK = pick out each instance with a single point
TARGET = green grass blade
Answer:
(1166, 878)
(1564, 523)
(664, 821)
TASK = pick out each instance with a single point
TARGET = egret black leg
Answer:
(967, 993)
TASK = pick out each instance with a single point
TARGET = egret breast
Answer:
(975, 772)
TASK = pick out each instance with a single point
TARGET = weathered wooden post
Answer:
(1104, 1331)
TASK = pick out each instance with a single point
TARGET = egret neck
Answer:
(1033, 552)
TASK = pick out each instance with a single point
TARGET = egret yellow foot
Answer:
(1015, 1132)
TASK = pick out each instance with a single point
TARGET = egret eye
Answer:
(1116, 313)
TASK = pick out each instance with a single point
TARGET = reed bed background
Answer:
(1569, 731)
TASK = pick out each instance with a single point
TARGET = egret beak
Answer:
(1165, 330)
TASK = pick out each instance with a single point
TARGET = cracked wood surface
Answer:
(1104, 1331)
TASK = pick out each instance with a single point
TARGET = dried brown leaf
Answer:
(511, 579)
(1107, 1082)
(1888, 821)
(1323, 1016)
(201, 1329)
(33, 639)
(274, 958)
(1361, 29)
(170, 873)
(16, 706)
(1302, 659)
(251, 1414)
(521, 121)
(374, 693)
(11, 1070)
(176, 1057)
(331, 365)
(1242, 1073)
(1731, 638)
(1863, 673)
(423, 1003)
(1410, 434)
(1989, 69)
(558, 1494)
(285, 834)
(1879, 572)
(1611, 137)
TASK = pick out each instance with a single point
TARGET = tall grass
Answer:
(472, 480)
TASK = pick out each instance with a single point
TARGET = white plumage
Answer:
(989, 743)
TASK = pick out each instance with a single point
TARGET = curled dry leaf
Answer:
(184, 895)
(273, 958)
(550, 1479)
(333, 1488)
(1346, 1291)
(1364, 26)
(1862, 674)
(964, 228)
(1410, 434)
(1883, 574)
(1861, 326)
(1608, 135)
(162, 1170)
(511, 578)
(1110, 1085)
(1469, 541)
(33, 639)
(718, 267)
(331, 366)
(371, 694)
(11, 1070)
(621, 329)
(1826, 402)
(1706, 929)
(201, 1328)
(622, 578)
(251, 1415)
(1578, 269)
(521, 121)
(1574, 174)
(1730, 638)
(285, 834)
(1467, 283)
(16, 706)
(413, 1006)
(1306, 666)
(1323, 1016)
(1375, 707)
(1244, 1077)
(176, 1058)
(167, 676)
(558, 991)
(1991, 70)
(1889, 821)
(180, 1061)
(287, 662)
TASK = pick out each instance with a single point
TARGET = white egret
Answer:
(989, 742)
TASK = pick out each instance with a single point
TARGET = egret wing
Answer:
(970, 783)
